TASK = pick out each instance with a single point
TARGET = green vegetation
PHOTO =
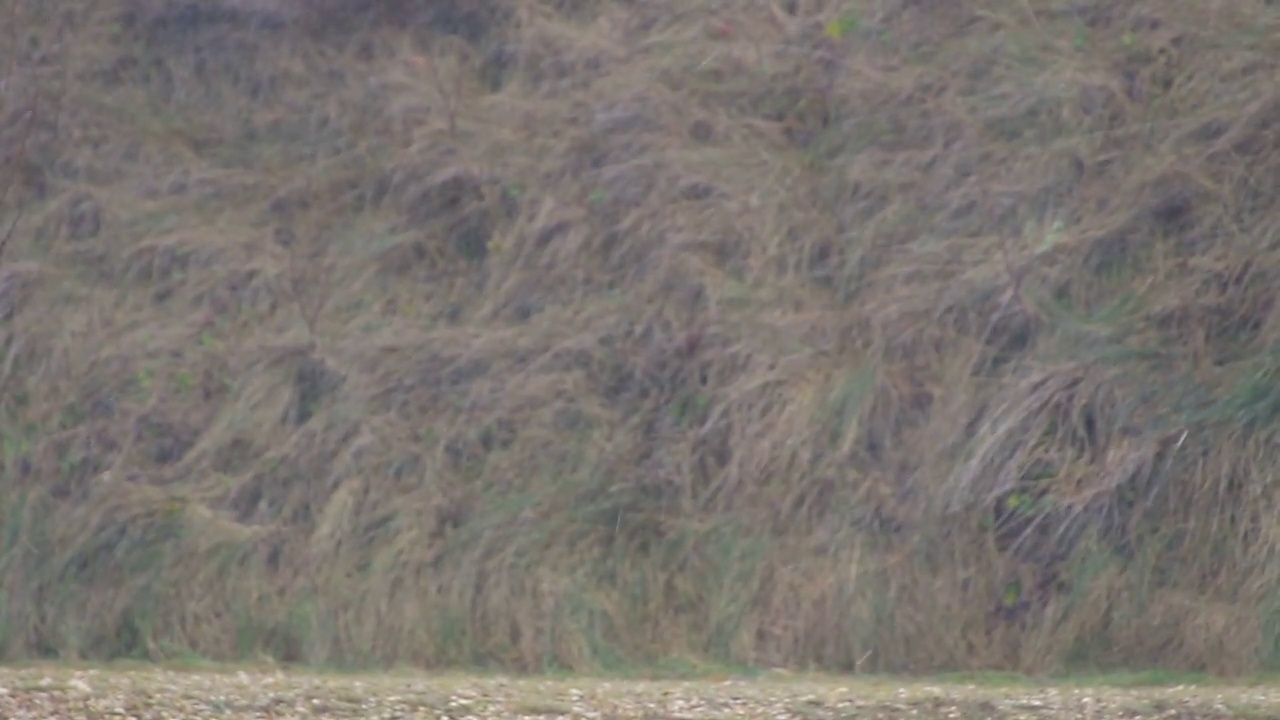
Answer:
(555, 335)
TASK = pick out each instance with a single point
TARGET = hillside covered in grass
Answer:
(859, 335)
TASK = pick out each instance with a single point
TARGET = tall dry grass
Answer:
(868, 336)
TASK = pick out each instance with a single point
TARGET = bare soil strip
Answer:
(39, 693)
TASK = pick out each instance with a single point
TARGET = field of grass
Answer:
(868, 336)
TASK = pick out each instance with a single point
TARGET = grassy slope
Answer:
(842, 334)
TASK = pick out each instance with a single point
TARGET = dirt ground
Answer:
(32, 693)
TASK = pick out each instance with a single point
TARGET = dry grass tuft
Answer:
(857, 335)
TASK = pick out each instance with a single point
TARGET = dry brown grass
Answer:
(606, 332)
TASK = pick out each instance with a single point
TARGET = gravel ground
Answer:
(153, 693)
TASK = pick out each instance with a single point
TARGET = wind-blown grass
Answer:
(848, 335)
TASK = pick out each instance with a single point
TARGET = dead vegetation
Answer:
(855, 334)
